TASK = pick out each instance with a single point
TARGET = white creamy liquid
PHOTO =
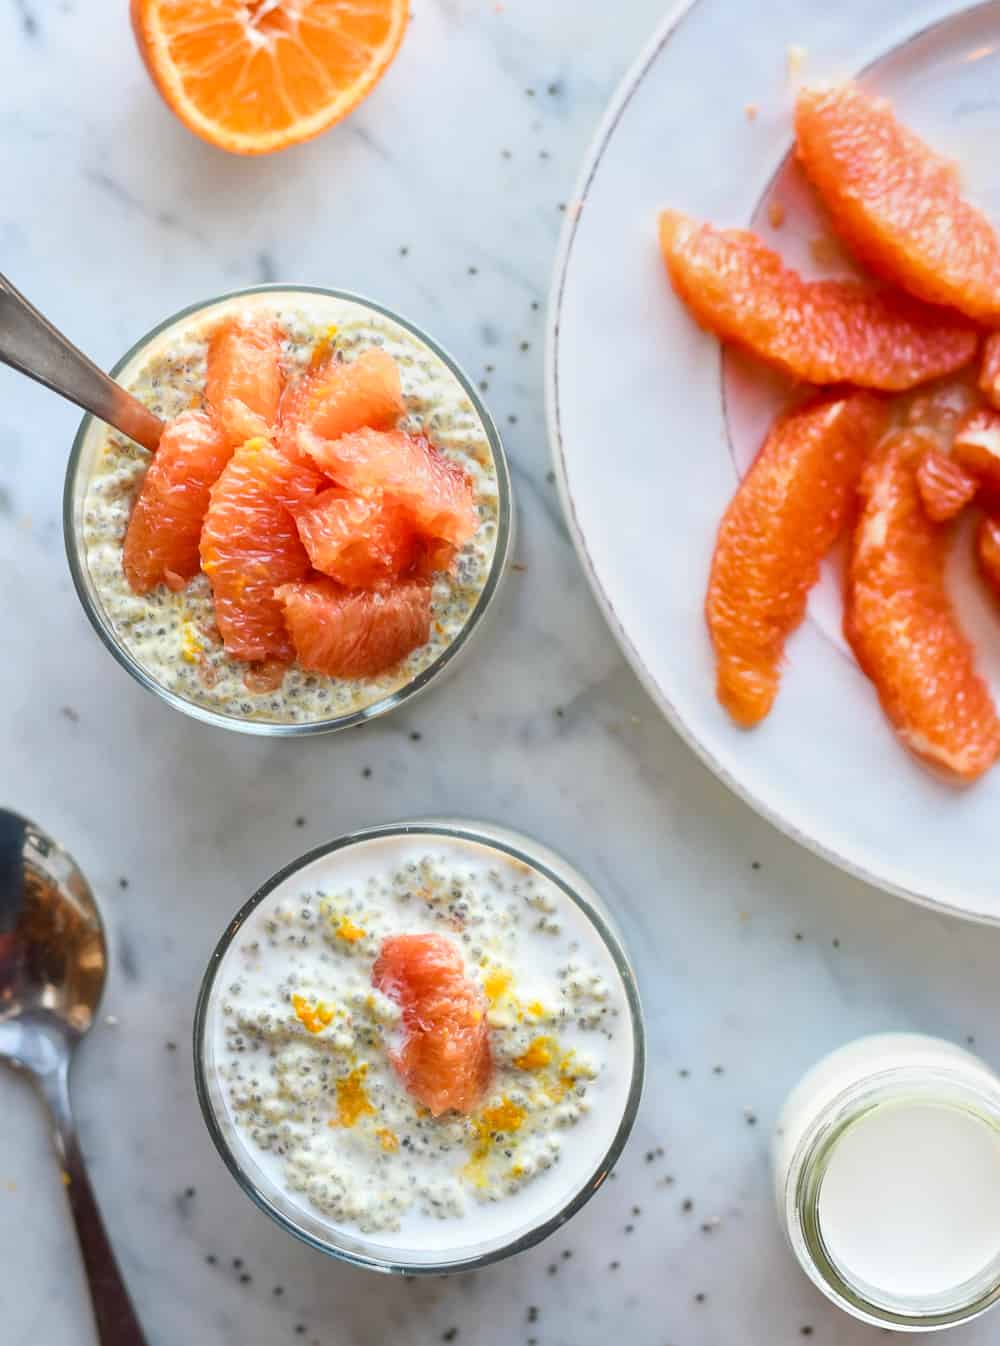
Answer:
(532, 928)
(910, 1202)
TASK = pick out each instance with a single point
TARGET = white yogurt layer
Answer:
(299, 1043)
(173, 635)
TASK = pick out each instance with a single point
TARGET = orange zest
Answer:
(254, 76)
(314, 1017)
(353, 1102)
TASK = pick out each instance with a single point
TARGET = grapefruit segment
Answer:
(901, 625)
(435, 492)
(786, 514)
(361, 541)
(945, 486)
(989, 370)
(825, 331)
(250, 545)
(445, 1061)
(976, 446)
(988, 552)
(358, 633)
(337, 397)
(161, 544)
(245, 377)
(896, 203)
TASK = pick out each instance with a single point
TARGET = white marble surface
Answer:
(754, 957)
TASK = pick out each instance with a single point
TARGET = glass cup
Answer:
(86, 446)
(592, 919)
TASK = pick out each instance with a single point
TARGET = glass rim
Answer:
(808, 1167)
(479, 833)
(267, 728)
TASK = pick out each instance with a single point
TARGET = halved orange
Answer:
(253, 76)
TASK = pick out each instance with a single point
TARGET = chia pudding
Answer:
(297, 1045)
(172, 636)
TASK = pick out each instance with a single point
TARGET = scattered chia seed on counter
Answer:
(302, 1043)
(174, 635)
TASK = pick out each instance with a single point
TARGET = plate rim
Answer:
(596, 148)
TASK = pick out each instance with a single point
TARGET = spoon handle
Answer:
(30, 344)
(117, 1324)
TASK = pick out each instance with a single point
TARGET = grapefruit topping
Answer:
(337, 397)
(445, 1061)
(435, 492)
(361, 541)
(989, 370)
(244, 378)
(977, 445)
(896, 203)
(945, 486)
(827, 331)
(161, 544)
(988, 551)
(358, 633)
(786, 514)
(249, 545)
(252, 76)
(901, 625)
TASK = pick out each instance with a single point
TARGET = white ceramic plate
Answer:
(650, 426)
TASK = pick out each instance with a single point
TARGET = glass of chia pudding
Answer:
(420, 1047)
(180, 634)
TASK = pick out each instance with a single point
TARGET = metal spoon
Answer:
(53, 961)
(30, 344)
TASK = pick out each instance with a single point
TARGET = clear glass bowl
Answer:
(364, 1250)
(78, 474)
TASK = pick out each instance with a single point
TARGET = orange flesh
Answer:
(896, 203)
(161, 544)
(901, 625)
(945, 486)
(977, 446)
(824, 331)
(786, 514)
(989, 370)
(988, 552)
(360, 541)
(354, 633)
(244, 377)
(445, 1062)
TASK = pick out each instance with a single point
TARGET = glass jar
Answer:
(887, 1175)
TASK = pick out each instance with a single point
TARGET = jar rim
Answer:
(890, 1087)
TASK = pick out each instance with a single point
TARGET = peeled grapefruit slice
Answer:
(249, 545)
(988, 551)
(358, 633)
(896, 203)
(944, 484)
(245, 377)
(445, 1061)
(976, 446)
(339, 396)
(824, 331)
(161, 544)
(361, 541)
(436, 493)
(901, 625)
(786, 514)
(989, 370)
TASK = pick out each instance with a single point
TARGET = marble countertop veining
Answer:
(443, 196)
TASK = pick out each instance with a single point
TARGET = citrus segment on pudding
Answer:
(336, 397)
(902, 627)
(361, 541)
(989, 370)
(250, 545)
(244, 377)
(827, 331)
(354, 633)
(944, 484)
(977, 446)
(786, 514)
(253, 77)
(987, 546)
(161, 543)
(444, 1060)
(896, 203)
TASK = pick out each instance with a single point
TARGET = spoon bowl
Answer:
(53, 965)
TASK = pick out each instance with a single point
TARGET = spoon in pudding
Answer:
(53, 963)
(30, 344)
